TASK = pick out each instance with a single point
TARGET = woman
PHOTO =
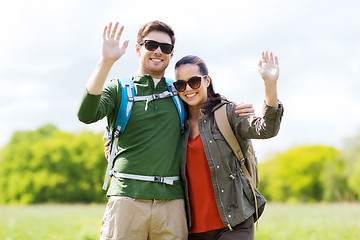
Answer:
(219, 201)
(219, 206)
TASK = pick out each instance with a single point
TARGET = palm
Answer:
(111, 49)
(268, 67)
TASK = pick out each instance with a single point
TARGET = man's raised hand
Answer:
(111, 50)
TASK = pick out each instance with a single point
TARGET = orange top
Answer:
(204, 213)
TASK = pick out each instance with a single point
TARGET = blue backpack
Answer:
(127, 101)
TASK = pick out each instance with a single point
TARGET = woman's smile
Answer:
(190, 95)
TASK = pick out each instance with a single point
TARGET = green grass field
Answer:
(279, 222)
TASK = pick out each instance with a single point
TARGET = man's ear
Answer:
(137, 48)
(172, 54)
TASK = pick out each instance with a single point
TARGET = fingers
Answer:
(246, 114)
(108, 30)
(119, 33)
(114, 30)
(104, 32)
(243, 105)
(244, 109)
(110, 33)
(268, 57)
(107, 149)
(125, 44)
(271, 58)
(264, 56)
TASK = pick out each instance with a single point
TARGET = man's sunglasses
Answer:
(153, 45)
(194, 82)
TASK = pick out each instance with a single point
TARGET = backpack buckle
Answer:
(156, 96)
(158, 179)
(117, 132)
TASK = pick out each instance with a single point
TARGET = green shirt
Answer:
(150, 144)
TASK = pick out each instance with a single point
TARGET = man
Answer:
(150, 145)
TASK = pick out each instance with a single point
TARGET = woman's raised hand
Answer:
(269, 67)
(269, 71)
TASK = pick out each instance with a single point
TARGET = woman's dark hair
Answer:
(213, 98)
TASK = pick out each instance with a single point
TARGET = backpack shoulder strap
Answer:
(225, 129)
(127, 94)
(177, 101)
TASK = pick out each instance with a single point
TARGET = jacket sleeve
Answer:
(95, 107)
(253, 127)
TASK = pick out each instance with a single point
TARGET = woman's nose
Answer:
(187, 87)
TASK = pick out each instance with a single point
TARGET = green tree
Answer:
(47, 165)
(352, 158)
(297, 174)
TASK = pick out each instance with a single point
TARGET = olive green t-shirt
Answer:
(150, 144)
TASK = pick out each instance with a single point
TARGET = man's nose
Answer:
(158, 50)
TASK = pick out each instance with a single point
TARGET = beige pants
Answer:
(129, 218)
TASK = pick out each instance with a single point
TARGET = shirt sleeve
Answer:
(253, 127)
(95, 107)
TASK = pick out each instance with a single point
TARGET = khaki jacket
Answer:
(234, 199)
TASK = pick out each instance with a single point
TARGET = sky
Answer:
(48, 50)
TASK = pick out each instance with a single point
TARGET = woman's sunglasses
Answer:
(153, 45)
(194, 82)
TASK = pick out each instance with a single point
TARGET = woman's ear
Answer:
(207, 80)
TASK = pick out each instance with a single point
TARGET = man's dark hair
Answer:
(155, 26)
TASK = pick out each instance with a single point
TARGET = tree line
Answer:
(48, 165)
(312, 173)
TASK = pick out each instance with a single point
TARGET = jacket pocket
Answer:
(222, 146)
(246, 187)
